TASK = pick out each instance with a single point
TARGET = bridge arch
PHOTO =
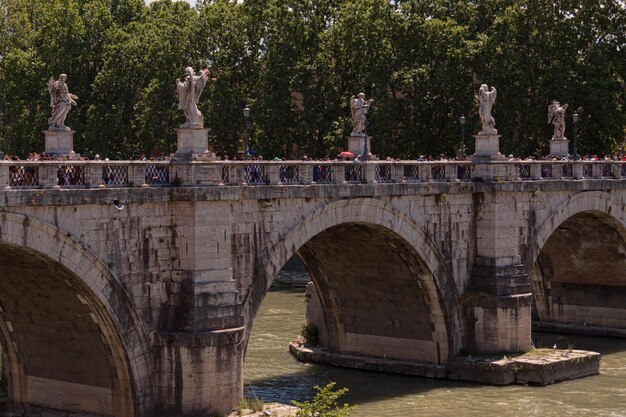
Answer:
(577, 265)
(72, 335)
(421, 281)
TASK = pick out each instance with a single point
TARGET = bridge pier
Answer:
(498, 302)
(498, 308)
(199, 373)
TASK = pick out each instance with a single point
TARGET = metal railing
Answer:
(383, 173)
(71, 175)
(23, 176)
(546, 170)
(464, 172)
(567, 171)
(290, 174)
(353, 173)
(115, 175)
(324, 174)
(254, 174)
(411, 173)
(524, 171)
(85, 174)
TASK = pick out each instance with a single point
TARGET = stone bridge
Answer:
(130, 288)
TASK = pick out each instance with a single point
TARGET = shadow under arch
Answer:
(577, 267)
(72, 335)
(392, 237)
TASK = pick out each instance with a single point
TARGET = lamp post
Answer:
(575, 117)
(365, 150)
(462, 122)
(246, 121)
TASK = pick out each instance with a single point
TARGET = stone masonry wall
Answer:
(199, 260)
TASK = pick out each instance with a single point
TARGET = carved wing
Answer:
(51, 91)
(492, 95)
(550, 112)
(352, 100)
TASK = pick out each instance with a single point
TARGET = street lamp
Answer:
(575, 117)
(365, 150)
(246, 121)
(462, 121)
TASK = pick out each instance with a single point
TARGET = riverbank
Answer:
(538, 367)
(270, 409)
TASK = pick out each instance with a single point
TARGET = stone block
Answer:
(59, 143)
(193, 144)
(559, 147)
(356, 144)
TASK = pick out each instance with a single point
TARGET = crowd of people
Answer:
(343, 156)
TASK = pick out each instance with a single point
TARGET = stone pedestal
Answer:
(59, 143)
(356, 144)
(487, 151)
(487, 148)
(193, 144)
(559, 147)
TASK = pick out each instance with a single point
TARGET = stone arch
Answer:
(589, 201)
(101, 302)
(373, 214)
(577, 264)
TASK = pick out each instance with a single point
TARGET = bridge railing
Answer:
(90, 174)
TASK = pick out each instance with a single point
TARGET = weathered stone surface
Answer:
(543, 368)
(159, 297)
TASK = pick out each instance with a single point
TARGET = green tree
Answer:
(134, 103)
(572, 51)
(325, 403)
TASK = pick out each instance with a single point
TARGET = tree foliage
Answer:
(297, 62)
(325, 403)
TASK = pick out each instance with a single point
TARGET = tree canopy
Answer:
(297, 62)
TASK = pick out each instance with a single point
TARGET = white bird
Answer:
(119, 206)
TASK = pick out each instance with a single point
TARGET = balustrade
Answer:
(84, 174)
(411, 173)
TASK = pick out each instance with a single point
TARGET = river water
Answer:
(272, 374)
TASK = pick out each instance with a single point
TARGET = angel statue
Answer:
(61, 101)
(188, 94)
(486, 100)
(556, 116)
(359, 107)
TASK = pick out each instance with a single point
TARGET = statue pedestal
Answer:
(487, 148)
(559, 147)
(356, 144)
(487, 152)
(60, 143)
(193, 144)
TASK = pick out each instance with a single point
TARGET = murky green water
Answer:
(272, 374)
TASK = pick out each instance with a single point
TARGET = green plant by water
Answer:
(254, 404)
(311, 334)
(325, 403)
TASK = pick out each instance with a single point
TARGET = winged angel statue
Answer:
(359, 107)
(486, 99)
(61, 101)
(556, 116)
(189, 92)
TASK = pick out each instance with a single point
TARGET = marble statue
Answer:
(188, 94)
(486, 99)
(556, 116)
(359, 107)
(61, 101)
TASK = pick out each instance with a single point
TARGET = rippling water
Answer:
(272, 374)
